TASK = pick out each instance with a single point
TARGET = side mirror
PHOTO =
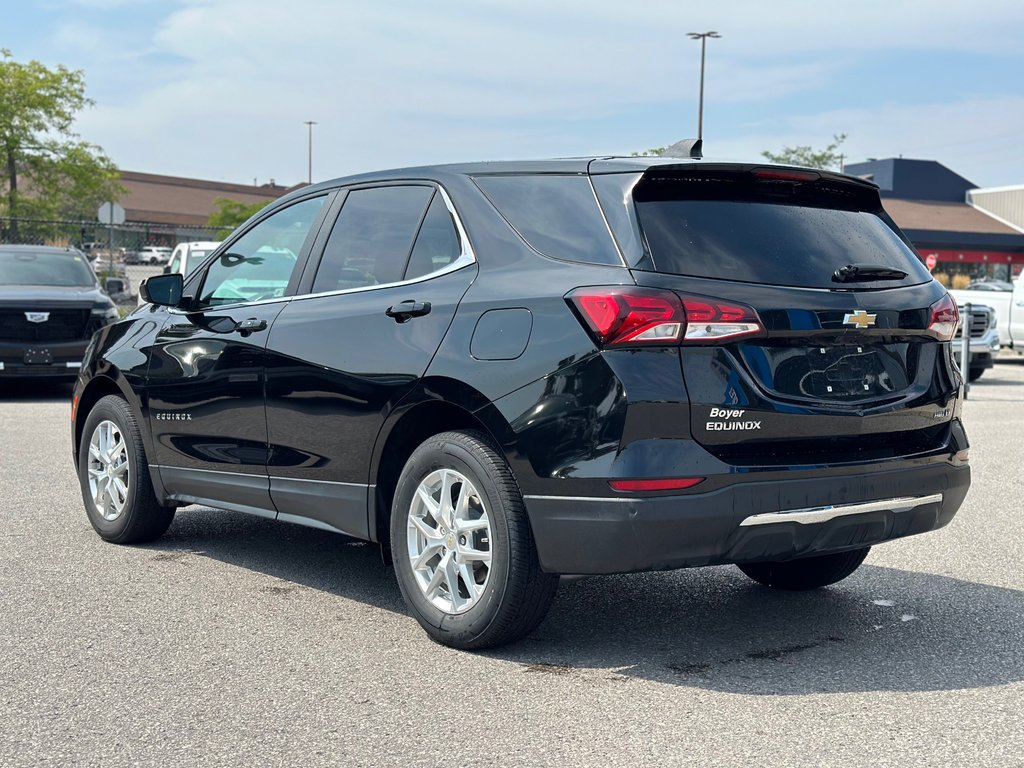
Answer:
(163, 290)
(115, 285)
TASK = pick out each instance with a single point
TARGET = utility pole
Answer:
(703, 37)
(310, 123)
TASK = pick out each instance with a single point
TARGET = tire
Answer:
(808, 572)
(490, 545)
(127, 512)
(973, 374)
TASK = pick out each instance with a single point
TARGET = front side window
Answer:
(259, 265)
(371, 240)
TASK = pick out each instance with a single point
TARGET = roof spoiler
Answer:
(691, 148)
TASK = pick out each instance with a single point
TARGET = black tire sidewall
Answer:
(114, 409)
(441, 453)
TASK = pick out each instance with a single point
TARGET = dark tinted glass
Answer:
(771, 242)
(259, 265)
(437, 244)
(556, 215)
(372, 238)
(45, 268)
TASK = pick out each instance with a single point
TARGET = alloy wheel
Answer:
(108, 470)
(449, 537)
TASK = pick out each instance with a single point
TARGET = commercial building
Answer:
(947, 219)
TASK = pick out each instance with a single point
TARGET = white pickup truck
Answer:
(1008, 306)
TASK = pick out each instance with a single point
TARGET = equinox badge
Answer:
(859, 319)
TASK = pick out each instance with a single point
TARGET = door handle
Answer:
(253, 324)
(408, 309)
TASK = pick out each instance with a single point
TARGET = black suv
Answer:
(503, 372)
(50, 306)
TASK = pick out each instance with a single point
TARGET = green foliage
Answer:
(827, 159)
(230, 213)
(656, 152)
(48, 171)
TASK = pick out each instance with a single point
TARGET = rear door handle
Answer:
(408, 309)
(253, 324)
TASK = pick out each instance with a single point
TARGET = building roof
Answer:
(913, 179)
(943, 217)
(176, 200)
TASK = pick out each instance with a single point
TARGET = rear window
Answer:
(769, 232)
(557, 215)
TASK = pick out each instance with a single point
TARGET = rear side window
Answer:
(556, 215)
(437, 244)
(372, 238)
(768, 233)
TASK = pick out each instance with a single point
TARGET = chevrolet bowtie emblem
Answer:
(859, 319)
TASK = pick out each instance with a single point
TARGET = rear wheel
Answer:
(114, 477)
(462, 546)
(807, 572)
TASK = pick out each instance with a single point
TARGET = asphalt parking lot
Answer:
(239, 641)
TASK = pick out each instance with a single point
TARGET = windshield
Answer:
(193, 260)
(63, 269)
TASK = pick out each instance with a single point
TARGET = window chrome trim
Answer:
(826, 513)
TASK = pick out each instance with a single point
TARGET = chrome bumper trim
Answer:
(824, 514)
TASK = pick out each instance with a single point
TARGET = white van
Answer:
(188, 256)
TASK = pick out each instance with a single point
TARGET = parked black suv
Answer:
(50, 306)
(503, 372)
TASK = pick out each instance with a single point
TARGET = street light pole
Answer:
(703, 37)
(310, 123)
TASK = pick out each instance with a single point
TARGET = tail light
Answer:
(944, 319)
(623, 315)
(713, 320)
(631, 316)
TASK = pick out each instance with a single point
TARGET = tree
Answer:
(230, 213)
(655, 151)
(49, 172)
(827, 159)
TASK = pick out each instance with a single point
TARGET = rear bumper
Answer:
(740, 522)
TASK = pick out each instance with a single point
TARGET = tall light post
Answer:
(310, 123)
(703, 37)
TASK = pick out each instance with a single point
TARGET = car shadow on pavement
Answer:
(881, 629)
(36, 391)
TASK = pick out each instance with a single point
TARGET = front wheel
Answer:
(114, 477)
(463, 550)
(974, 373)
(807, 572)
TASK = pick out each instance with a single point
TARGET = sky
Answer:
(221, 89)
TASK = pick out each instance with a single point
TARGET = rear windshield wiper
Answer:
(862, 273)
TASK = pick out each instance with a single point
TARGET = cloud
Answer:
(221, 87)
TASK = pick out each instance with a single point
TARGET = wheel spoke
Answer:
(452, 578)
(475, 555)
(436, 578)
(430, 534)
(428, 552)
(428, 501)
(469, 526)
(469, 580)
(122, 491)
(446, 498)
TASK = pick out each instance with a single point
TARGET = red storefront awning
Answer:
(984, 257)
